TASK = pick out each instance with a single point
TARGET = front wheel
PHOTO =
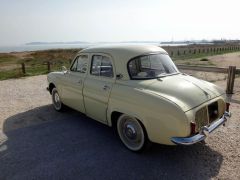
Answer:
(132, 133)
(57, 104)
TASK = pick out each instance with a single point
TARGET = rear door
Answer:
(98, 85)
(73, 81)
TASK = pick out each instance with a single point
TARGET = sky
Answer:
(23, 21)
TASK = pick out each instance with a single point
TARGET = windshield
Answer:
(151, 66)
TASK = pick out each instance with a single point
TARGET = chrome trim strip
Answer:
(205, 131)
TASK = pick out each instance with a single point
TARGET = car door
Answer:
(73, 81)
(98, 85)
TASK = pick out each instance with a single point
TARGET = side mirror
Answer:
(64, 69)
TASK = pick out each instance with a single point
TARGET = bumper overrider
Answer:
(205, 131)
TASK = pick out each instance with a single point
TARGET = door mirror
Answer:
(64, 69)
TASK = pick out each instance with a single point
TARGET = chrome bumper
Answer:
(205, 131)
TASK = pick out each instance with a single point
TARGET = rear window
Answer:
(151, 66)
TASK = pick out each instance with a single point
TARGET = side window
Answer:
(96, 64)
(101, 66)
(80, 64)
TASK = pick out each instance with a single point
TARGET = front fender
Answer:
(55, 78)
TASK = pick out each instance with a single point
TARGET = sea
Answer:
(27, 47)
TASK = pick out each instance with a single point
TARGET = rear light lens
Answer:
(227, 107)
(193, 128)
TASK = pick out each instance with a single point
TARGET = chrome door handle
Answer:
(106, 87)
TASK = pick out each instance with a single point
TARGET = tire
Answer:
(57, 104)
(132, 133)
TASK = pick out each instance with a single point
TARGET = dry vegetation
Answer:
(35, 61)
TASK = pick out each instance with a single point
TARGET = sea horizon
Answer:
(39, 47)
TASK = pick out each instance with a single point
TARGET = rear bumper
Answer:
(205, 131)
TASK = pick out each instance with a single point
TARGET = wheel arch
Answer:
(50, 87)
(115, 114)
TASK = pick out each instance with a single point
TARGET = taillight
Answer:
(193, 128)
(227, 107)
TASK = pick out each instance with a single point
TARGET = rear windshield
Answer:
(151, 66)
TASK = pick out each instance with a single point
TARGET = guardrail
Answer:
(231, 71)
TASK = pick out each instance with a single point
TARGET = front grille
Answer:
(208, 114)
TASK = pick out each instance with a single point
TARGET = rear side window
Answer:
(80, 64)
(101, 66)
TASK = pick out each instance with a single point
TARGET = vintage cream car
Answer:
(139, 90)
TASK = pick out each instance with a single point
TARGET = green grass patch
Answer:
(16, 73)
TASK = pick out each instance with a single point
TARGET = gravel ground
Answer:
(38, 143)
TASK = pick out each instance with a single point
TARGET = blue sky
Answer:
(23, 21)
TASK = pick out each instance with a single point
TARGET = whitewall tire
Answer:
(57, 104)
(131, 133)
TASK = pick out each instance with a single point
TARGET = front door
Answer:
(98, 85)
(72, 83)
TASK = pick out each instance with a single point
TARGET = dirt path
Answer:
(225, 60)
(20, 95)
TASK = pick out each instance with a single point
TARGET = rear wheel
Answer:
(57, 104)
(132, 133)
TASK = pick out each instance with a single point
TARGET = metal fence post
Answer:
(23, 68)
(230, 80)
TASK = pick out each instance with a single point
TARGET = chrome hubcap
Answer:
(130, 131)
(56, 101)
(56, 98)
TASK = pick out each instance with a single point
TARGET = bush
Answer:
(204, 59)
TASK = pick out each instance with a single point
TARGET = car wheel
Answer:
(132, 133)
(57, 104)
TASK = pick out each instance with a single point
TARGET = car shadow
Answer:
(44, 144)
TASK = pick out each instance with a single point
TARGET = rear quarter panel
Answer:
(161, 118)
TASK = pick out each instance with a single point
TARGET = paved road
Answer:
(71, 146)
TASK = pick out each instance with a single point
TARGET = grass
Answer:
(10, 74)
(35, 62)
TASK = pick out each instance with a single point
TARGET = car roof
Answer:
(129, 51)
(122, 53)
